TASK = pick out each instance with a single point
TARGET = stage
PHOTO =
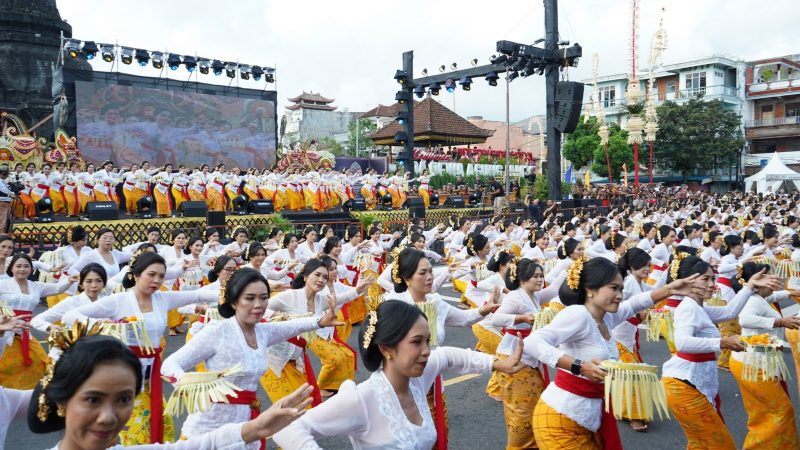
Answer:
(128, 230)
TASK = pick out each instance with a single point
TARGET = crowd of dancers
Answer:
(570, 295)
(70, 189)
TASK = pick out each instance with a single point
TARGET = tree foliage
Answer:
(366, 127)
(580, 145)
(696, 135)
(619, 153)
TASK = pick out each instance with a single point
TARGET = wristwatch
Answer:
(576, 367)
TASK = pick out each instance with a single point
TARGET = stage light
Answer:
(44, 210)
(466, 83)
(450, 85)
(107, 52)
(512, 76)
(239, 204)
(204, 64)
(157, 59)
(400, 136)
(402, 97)
(474, 62)
(498, 59)
(401, 76)
(424, 72)
(269, 74)
(142, 57)
(89, 49)
(435, 87)
(72, 47)
(402, 117)
(174, 61)
(190, 62)
(230, 69)
(419, 91)
(144, 207)
(492, 77)
(126, 55)
(258, 72)
(453, 66)
(217, 66)
(244, 71)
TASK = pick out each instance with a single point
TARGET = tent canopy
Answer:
(772, 176)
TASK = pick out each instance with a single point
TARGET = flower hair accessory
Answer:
(223, 286)
(471, 244)
(396, 273)
(676, 264)
(740, 275)
(512, 270)
(61, 340)
(574, 273)
(658, 234)
(372, 318)
(132, 262)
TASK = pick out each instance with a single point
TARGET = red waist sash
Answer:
(725, 281)
(704, 357)
(312, 380)
(523, 334)
(156, 394)
(660, 268)
(587, 388)
(247, 398)
(440, 420)
(26, 337)
(635, 321)
(673, 303)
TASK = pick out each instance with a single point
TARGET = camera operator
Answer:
(6, 197)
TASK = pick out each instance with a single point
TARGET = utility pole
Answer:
(551, 78)
(408, 145)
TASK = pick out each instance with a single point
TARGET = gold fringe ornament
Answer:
(628, 381)
(429, 309)
(658, 320)
(543, 317)
(763, 359)
(283, 317)
(131, 331)
(196, 391)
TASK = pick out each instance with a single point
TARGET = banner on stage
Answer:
(457, 168)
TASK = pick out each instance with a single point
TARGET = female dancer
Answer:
(568, 252)
(285, 258)
(661, 253)
(241, 340)
(570, 410)
(102, 372)
(239, 244)
(212, 247)
(537, 248)
(770, 414)
(424, 188)
(91, 283)
(68, 254)
(388, 410)
(174, 256)
(103, 254)
(24, 361)
(478, 249)
(274, 239)
(145, 302)
(690, 376)
(308, 248)
(338, 360)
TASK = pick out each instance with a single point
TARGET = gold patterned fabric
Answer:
(137, 430)
(702, 425)
(555, 431)
(521, 392)
(14, 373)
(279, 387)
(338, 363)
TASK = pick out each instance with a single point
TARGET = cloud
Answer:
(350, 50)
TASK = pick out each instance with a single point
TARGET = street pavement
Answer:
(476, 421)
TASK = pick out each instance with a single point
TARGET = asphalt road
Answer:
(476, 421)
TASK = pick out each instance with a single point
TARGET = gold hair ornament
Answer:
(471, 244)
(372, 321)
(512, 270)
(739, 275)
(676, 264)
(574, 273)
(132, 262)
(223, 286)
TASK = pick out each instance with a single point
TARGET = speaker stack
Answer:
(416, 207)
(193, 209)
(102, 211)
(216, 220)
(569, 100)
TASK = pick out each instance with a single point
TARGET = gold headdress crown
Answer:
(223, 287)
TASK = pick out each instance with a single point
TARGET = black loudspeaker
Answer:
(416, 207)
(587, 202)
(567, 204)
(516, 207)
(569, 100)
(356, 204)
(193, 209)
(102, 211)
(455, 201)
(216, 220)
(262, 207)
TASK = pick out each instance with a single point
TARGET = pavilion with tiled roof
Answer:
(310, 100)
(383, 111)
(434, 124)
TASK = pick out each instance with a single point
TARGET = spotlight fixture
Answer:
(424, 72)
(450, 85)
(230, 69)
(239, 203)
(157, 59)
(442, 68)
(44, 210)
(174, 61)
(126, 55)
(419, 91)
(144, 207)
(474, 62)
(401, 76)
(107, 52)
(245, 71)
(466, 83)
(435, 87)
(513, 76)
(498, 59)
(89, 49)
(400, 136)
(402, 117)
(72, 47)
(142, 57)
(492, 77)
(269, 74)
(258, 72)
(402, 97)
(453, 66)
(190, 62)
(217, 67)
(203, 64)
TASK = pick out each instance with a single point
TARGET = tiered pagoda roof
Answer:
(310, 100)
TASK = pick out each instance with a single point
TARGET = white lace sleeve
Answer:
(461, 317)
(177, 299)
(685, 339)
(569, 324)
(104, 308)
(453, 359)
(281, 331)
(342, 415)
(202, 346)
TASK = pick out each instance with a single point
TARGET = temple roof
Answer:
(383, 111)
(306, 97)
(434, 124)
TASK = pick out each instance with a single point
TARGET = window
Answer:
(719, 74)
(696, 83)
(608, 96)
(671, 87)
(792, 109)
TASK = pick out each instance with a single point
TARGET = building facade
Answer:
(773, 124)
(312, 116)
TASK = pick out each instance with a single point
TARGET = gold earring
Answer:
(591, 295)
(388, 356)
(61, 411)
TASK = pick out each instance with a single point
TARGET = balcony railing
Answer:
(773, 122)
(684, 94)
(765, 87)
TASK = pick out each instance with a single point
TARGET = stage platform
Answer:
(128, 230)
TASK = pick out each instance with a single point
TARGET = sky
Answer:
(349, 50)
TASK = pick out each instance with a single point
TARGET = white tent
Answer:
(772, 176)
